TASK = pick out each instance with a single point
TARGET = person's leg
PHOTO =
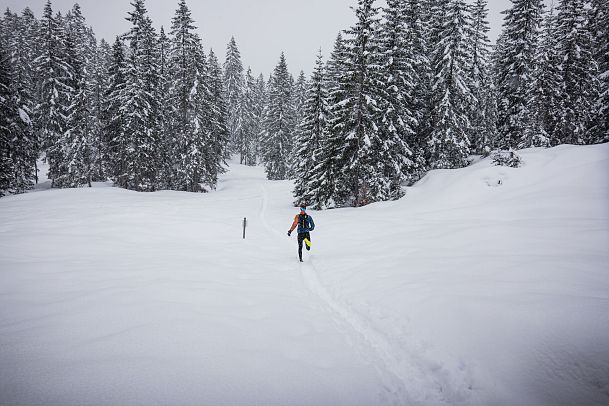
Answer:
(300, 240)
(308, 237)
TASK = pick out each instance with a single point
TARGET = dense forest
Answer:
(410, 87)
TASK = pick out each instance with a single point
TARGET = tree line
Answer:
(408, 88)
(147, 111)
(417, 86)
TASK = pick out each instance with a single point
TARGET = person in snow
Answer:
(305, 225)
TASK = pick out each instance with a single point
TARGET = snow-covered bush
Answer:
(506, 158)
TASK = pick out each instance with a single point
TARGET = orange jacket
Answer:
(295, 223)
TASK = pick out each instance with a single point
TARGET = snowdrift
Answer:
(483, 286)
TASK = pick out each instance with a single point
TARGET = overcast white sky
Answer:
(262, 28)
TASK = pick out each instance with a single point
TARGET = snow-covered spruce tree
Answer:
(311, 135)
(325, 174)
(208, 161)
(141, 105)
(218, 141)
(113, 115)
(76, 139)
(364, 147)
(449, 139)
(25, 147)
(233, 90)
(81, 140)
(580, 89)
(277, 134)
(599, 26)
(166, 115)
(53, 74)
(482, 109)
(260, 97)
(192, 97)
(240, 123)
(85, 134)
(29, 34)
(546, 90)
(85, 47)
(321, 188)
(9, 118)
(398, 120)
(246, 130)
(186, 88)
(98, 78)
(299, 96)
(515, 70)
(497, 55)
(418, 45)
(81, 37)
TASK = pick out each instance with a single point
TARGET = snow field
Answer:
(466, 292)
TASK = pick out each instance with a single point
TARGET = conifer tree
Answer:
(85, 49)
(233, 88)
(218, 146)
(166, 114)
(311, 136)
(141, 106)
(363, 147)
(515, 70)
(599, 28)
(418, 45)
(317, 186)
(53, 74)
(299, 96)
(398, 121)
(324, 173)
(354, 115)
(204, 159)
(22, 87)
(449, 140)
(98, 84)
(260, 97)
(546, 90)
(80, 141)
(80, 35)
(247, 129)
(187, 94)
(482, 110)
(277, 134)
(76, 139)
(8, 120)
(113, 116)
(30, 34)
(580, 89)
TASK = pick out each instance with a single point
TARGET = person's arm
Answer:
(294, 225)
(311, 223)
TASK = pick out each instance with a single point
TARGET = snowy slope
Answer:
(469, 291)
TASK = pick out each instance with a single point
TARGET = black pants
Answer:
(301, 237)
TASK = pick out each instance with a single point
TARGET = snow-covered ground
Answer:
(483, 286)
